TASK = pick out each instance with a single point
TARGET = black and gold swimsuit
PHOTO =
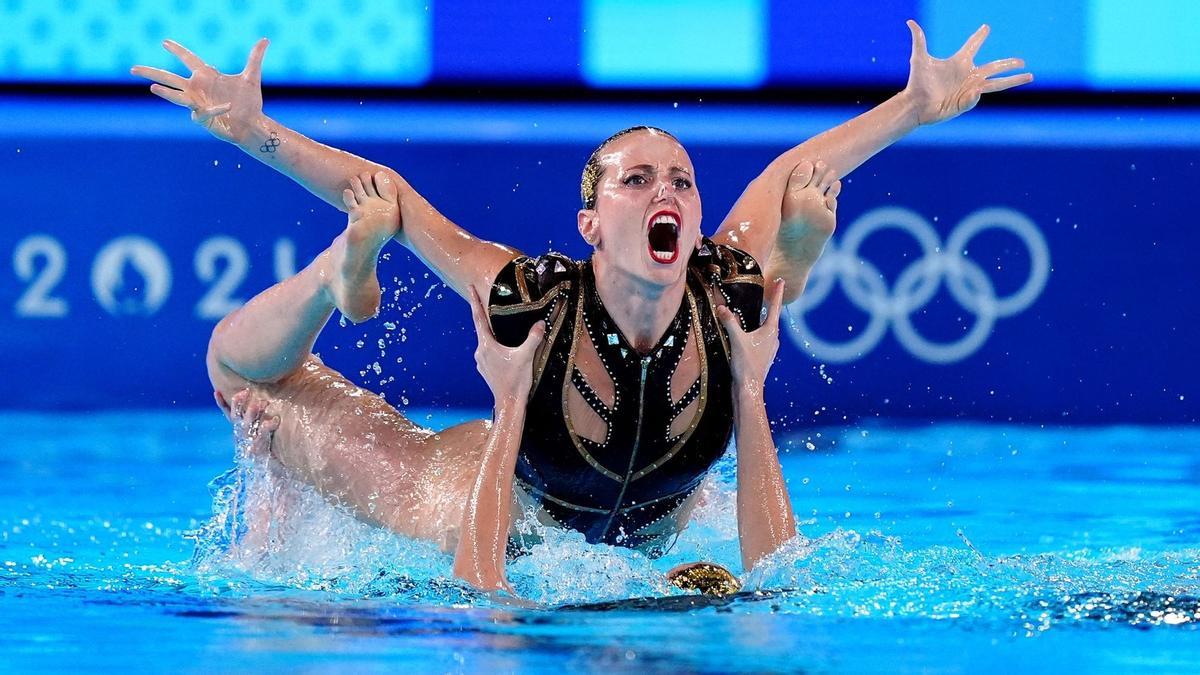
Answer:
(621, 490)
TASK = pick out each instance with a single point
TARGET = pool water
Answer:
(932, 548)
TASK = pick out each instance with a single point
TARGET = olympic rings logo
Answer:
(917, 284)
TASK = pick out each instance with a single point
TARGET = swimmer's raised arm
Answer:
(763, 221)
(483, 537)
(764, 510)
(230, 107)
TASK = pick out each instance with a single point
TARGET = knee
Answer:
(224, 380)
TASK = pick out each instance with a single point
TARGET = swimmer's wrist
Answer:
(255, 132)
(511, 404)
(907, 100)
(748, 390)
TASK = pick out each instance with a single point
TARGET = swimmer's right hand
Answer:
(508, 371)
(227, 105)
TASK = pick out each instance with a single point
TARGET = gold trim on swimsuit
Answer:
(576, 507)
(557, 320)
(756, 279)
(528, 306)
(522, 287)
(565, 400)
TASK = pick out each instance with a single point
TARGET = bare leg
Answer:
(347, 442)
(374, 220)
(273, 334)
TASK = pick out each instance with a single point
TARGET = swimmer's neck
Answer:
(642, 310)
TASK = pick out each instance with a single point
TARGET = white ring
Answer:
(967, 282)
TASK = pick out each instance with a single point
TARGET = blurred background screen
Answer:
(721, 44)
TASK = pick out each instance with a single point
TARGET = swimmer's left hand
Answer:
(942, 89)
(754, 352)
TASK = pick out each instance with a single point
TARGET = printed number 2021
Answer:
(131, 275)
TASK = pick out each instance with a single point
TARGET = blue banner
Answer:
(1006, 266)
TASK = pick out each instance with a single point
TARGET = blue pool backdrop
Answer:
(1012, 265)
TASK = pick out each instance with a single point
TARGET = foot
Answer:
(812, 193)
(374, 219)
(809, 218)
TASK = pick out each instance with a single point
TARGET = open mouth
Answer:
(663, 237)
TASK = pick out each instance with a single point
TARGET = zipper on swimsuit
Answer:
(637, 441)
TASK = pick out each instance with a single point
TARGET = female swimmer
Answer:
(640, 361)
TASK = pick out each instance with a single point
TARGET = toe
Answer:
(385, 186)
(825, 178)
(801, 175)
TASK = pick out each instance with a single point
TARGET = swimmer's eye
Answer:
(635, 179)
(682, 184)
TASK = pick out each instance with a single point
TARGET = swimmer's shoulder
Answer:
(735, 275)
(526, 291)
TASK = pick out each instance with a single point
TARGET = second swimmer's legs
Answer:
(273, 334)
(346, 442)
(374, 219)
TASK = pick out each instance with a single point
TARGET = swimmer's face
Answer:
(647, 217)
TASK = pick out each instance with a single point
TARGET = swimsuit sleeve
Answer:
(739, 279)
(524, 293)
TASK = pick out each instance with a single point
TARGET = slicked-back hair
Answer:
(592, 170)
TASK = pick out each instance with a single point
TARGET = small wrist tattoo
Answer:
(272, 143)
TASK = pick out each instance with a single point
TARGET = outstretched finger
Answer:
(189, 59)
(479, 315)
(160, 76)
(919, 48)
(253, 69)
(205, 114)
(1002, 83)
(997, 67)
(973, 43)
(173, 95)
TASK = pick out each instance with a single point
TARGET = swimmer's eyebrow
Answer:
(650, 167)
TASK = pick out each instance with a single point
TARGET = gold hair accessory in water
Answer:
(708, 578)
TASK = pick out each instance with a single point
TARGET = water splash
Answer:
(313, 546)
